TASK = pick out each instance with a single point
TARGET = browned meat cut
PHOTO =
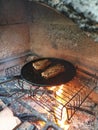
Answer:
(41, 64)
(53, 71)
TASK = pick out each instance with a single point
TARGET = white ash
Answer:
(84, 13)
(82, 121)
(88, 7)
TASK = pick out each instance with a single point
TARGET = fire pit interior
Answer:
(50, 106)
(32, 32)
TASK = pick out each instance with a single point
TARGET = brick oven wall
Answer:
(25, 25)
(14, 30)
(14, 39)
(54, 35)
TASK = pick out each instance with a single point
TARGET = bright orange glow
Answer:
(63, 122)
(40, 123)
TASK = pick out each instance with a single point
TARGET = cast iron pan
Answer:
(29, 74)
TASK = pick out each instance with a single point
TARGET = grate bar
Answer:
(55, 99)
(75, 99)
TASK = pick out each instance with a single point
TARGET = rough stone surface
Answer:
(12, 12)
(88, 7)
(14, 39)
(49, 34)
(57, 36)
(84, 13)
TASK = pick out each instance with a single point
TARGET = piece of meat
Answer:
(41, 64)
(53, 71)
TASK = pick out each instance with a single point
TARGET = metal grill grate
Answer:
(69, 96)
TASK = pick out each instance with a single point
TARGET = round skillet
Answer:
(29, 74)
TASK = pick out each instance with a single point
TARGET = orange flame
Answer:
(63, 122)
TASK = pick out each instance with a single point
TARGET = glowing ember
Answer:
(62, 123)
(59, 93)
(39, 124)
